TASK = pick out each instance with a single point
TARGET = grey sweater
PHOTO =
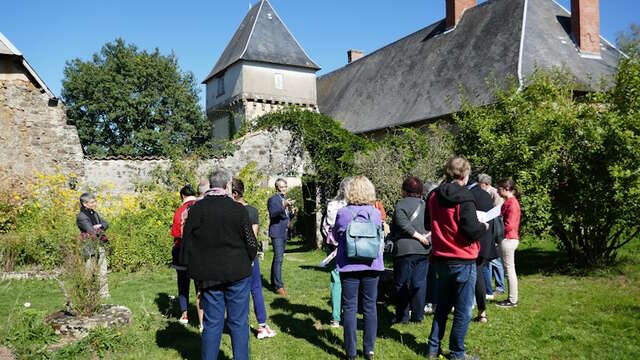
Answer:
(403, 228)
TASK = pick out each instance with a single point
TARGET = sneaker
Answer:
(506, 304)
(498, 292)
(200, 329)
(481, 319)
(265, 332)
(489, 297)
(183, 320)
(429, 309)
(369, 356)
(335, 324)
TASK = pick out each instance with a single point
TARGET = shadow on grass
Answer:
(386, 330)
(171, 308)
(315, 268)
(306, 328)
(530, 261)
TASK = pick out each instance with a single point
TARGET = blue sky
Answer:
(49, 33)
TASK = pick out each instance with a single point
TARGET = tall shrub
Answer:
(575, 157)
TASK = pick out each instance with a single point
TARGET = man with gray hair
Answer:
(484, 181)
(92, 227)
(280, 212)
(203, 186)
(218, 249)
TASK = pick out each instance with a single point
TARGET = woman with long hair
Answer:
(511, 215)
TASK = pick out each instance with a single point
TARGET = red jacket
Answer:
(511, 213)
(176, 228)
(454, 224)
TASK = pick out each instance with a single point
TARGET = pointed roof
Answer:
(7, 48)
(419, 77)
(263, 37)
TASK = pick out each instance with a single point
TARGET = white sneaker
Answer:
(183, 321)
(335, 324)
(489, 297)
(265, 332)
(429, 309)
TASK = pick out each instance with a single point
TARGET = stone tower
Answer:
(263, 68)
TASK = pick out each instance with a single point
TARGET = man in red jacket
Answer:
(455, 231)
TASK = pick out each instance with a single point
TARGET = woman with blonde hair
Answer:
(358, 275)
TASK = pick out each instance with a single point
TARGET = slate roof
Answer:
(420, 76)
(262, 37)
(7, 48)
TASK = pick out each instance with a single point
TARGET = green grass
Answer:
(560, 315)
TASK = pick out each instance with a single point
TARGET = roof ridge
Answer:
(524, 26)
(255, 21)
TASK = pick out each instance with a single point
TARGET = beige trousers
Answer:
(508, 250)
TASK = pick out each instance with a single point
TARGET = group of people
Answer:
(443, 256)
(440, 253)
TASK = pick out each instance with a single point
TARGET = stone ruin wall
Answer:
(275, 154)
(34, 135)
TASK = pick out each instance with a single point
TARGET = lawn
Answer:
(560, 315)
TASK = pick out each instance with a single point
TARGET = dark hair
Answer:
(237, 186)
(509, 185)
(412, 186)
(187, 190)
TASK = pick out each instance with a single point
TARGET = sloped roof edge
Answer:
(26, 65)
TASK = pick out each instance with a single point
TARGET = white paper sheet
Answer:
(489, 215)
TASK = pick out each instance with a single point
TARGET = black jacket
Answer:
(218, 244)
(484, 202)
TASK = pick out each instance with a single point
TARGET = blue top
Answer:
(278, 217)
(344, 217)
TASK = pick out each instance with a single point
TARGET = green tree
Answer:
(129, 102)
(629, 41)
(576, 158)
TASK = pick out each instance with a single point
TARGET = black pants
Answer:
(481, 287)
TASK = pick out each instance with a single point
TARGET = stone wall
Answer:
(276, 154)
(34, 134)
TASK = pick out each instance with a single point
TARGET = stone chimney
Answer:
(585, 25)
(455, 9)
(353, 55)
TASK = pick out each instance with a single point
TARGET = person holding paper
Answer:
(455, 231)
(511, 214)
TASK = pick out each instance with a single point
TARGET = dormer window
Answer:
(220, 89)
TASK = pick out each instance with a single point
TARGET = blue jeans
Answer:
(352, 283)
(276, 265)
(432, 289)
(234, 297)
(456, 285)
(410, 278)
(256, 294)
(494, 267)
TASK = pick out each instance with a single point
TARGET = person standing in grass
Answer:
(333, 206)
(495, 265)
(281, 211)
(410, 252)
(187, 195)
(264, 331)
(218, 247)
(455, 231)
(358, 276)
(92, 230)
(511, 215)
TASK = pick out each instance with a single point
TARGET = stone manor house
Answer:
(410, 82)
